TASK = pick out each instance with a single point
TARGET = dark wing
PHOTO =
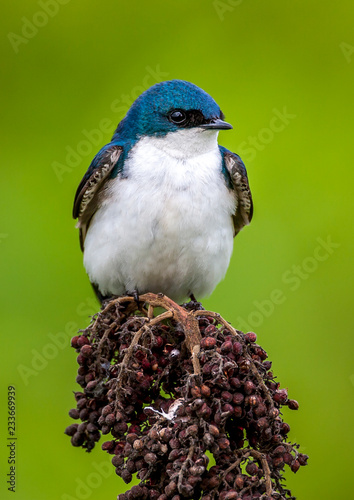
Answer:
(86, 199)
(239, 180)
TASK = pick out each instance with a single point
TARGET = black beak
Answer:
(217, 124)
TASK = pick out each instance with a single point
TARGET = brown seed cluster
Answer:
(204, 428)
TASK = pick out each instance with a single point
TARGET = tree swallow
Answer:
(160, 204)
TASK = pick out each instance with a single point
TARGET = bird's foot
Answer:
(135, 295)
(193, 304)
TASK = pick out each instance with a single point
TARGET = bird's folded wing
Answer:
(86, 199)
(239, 180)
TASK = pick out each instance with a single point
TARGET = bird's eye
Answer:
(177, 116)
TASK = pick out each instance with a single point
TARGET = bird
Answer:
(160, 204)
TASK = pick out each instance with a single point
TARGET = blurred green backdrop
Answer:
(70, 71)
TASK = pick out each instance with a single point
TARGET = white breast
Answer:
(166, 225)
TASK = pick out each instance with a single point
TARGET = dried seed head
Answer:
(231, 409)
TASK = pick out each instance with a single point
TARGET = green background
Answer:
(78, 72)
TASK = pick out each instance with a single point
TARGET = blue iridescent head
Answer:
(170, 106)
